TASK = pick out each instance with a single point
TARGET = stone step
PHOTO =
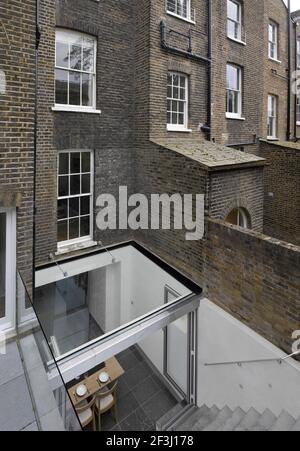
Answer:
(234, 421)
(221, 419)
(162, 423)
(206, 419)
(187, 423)
(266, 421)
(285, 422)
(249, 421)
(296, 427)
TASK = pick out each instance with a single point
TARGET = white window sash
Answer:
(90, 195)
(237, 91)
(237, 22)
(69, 37)
(184, 126)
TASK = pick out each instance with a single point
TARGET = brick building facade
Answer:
(17, 111)
(261, 75)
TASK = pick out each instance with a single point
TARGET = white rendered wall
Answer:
(260, 385)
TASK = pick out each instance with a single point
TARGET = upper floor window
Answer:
(75, 70)
(75, 197)
(234, 20)
(177, 102)
(234, 91)
(273, 41)
(298, 110)
(272, 116)
(298, 52)
(180, 8)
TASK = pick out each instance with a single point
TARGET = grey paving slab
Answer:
(52, 421)
(10, 364)
(16, 411)
(42, 392)
(31, 352)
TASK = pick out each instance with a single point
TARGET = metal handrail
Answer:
(242, 362)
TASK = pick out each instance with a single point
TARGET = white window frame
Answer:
(238, 115)
(274, 117)
(239, 23)
(180, 127)
(298, 51)
(89, 238)
(274, 42)
(69, 37)
(298, 109)
(188, 17)
(8, 322)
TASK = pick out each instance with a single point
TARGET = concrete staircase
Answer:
(208, 419)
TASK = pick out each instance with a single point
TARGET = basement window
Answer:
(75, 71)
(75, 198)
(239, 217)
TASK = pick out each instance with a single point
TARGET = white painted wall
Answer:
(261, 385)
(134, 287)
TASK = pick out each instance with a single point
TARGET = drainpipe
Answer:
(289, 71)
(209, 70)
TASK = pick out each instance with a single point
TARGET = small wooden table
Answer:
(92, 383)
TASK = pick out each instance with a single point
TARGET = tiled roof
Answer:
(210, 155)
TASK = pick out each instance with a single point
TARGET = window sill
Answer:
(275, 60)
(235, 117)
(272, 138)
(238, 41)
(178, 129)
(298, 124)
(66, 248)
(181, 18)
(71, 109)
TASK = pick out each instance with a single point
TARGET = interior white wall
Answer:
(260, 385)
(134, 287)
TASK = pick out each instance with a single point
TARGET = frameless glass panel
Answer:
(61, 86)
(177, 352)
(2, 264)
(109, 297)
